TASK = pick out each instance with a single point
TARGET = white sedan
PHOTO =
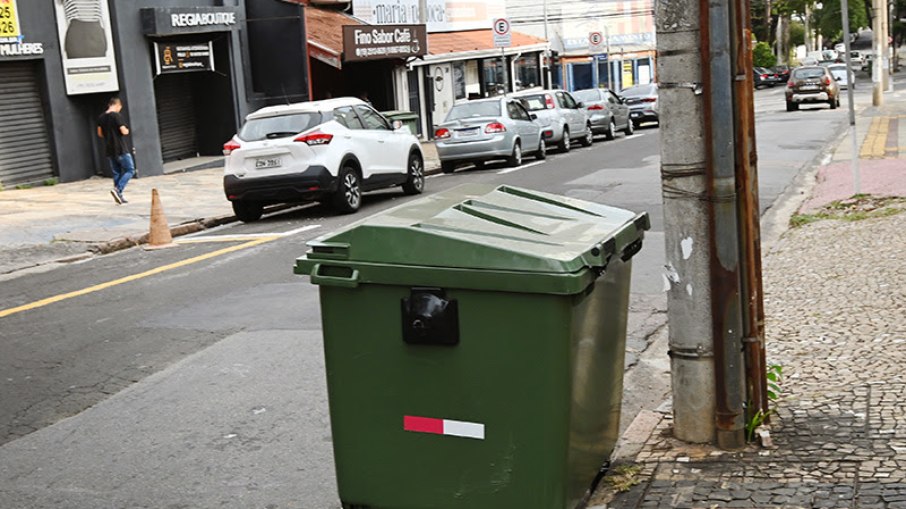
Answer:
(838, 71)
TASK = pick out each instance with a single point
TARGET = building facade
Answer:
(182, 67)
(610, 43)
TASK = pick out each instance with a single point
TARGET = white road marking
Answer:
(245, 236)
(524, 166)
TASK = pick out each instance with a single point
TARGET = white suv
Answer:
(329, 150)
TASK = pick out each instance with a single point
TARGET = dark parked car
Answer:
(813, 84)
(783, 72)
(765, 78)
(642, 102)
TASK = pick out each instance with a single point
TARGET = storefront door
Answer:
(25, 150)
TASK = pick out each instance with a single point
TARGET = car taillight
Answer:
(826, 80)
(764, 76)
(649, 99)
(596, 107)
(791, 83)
(495, 127)
(230, 146)
(442, 133)
(549, 102)
(314, 139)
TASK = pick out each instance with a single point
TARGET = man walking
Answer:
(112, 129)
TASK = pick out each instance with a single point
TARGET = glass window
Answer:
(570, 102)
(611, 98)
(282, 126)
(475, 109)
(806, 72)
(347, 118)
(372, 119)
(528, 72)
(494, 77)
(561, 99)
(536, 102)
(516, 111)
(459, 80)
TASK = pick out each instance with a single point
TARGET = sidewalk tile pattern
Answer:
(836, 305)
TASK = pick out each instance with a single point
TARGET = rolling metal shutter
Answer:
(25, 152)
(176, 116)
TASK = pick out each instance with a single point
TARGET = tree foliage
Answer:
(763, 56)
(797, 34)
(830, 20)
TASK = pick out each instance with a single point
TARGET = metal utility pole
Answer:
(547, 52)
(609, 61)
(850, 99)
(885, 46)
(707, 162)
(877, 33)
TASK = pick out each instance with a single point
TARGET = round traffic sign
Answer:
(501, 26)
(595, 38)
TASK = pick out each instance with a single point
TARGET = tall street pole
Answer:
(857, 184)
(547, 52)
(684, 155)
(877, 32)
(702, 213)
(609, 61)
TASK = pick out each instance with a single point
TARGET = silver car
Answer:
(642, 102)
(487, 129)
(561, 114)
(606, 111)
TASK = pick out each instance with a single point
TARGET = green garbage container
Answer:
(474, 344)
(408, 118)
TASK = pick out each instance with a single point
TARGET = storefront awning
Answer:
(471, 44)
(325, 34)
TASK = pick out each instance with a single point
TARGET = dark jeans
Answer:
(123, 168)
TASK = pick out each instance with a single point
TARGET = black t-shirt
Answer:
(114, 141)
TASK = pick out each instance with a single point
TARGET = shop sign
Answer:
(441, 15)
(9, 20)
(89, 57)
(175, 57)
(179, 20)
(362, 42)
(12, 42)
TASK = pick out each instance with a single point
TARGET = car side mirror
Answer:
(397, 125)
(838, 78)
(533, 116)
(580, 105)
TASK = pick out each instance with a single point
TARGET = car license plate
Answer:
(269, 162)
(635, 114)
(809, 87)
(468, 132)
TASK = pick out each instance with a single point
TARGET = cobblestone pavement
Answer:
(835, 297)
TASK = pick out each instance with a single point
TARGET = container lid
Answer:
(483, 228)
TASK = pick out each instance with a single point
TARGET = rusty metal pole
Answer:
(724, 239)
(749, 224)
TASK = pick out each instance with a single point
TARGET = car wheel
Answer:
(516, 158)
(348, 197)
(541, 153)
(611, 131)
(248, 211)
(630, 128)
(447, 166)
(416, 179)
(791, 106)
(566, 143)
(833, 103)
(589, 137)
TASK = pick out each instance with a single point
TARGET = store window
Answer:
(459, 80)
(528, 72)
(494, 77)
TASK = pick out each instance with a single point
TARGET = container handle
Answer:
(351, 281)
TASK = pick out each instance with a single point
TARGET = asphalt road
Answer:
(195, 377)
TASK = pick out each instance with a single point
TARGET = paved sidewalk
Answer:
(835, 297)
(67, 222)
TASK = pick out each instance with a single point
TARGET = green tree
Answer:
(797, 34)
(762, 56)
(830, 21)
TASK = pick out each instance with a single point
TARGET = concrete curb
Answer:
(122, 243)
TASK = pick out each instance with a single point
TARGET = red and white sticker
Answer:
(443, 427)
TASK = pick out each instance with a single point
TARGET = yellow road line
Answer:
(874, 145)
(128, 279)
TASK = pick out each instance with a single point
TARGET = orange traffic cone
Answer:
(159, 236)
